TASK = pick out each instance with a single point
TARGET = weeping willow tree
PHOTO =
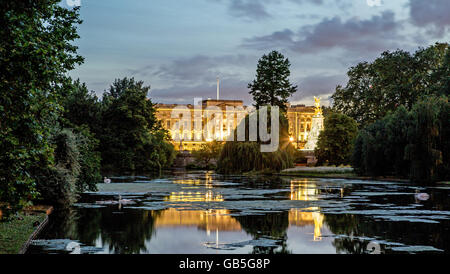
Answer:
(246, 156)
(412, 144)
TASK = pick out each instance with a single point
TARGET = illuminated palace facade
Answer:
(299, 116)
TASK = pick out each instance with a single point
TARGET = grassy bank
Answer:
(15, 233)
(322, 175)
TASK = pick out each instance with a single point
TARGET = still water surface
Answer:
(203, 212)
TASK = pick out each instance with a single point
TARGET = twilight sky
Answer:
(179, 47)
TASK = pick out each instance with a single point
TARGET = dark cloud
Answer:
(278, 39)
(199, 68)
(318, 85)
(300, 2)
(230, 88)
(196, 77)
(342, 4)
(188, 69)
(256, 10)
(357, 36)
(248, 9)
(308, 16)
(203, 68)
(434, 14)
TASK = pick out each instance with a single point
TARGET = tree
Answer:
(57, 184)
(35, 55)
(394, 79)
(89, 160)
(208, 152)
(404, 143)
(82, 113)
(246, 156)
(335, 143)
(131, 138)
(81, 107)
(272, 85)
(428, 140)
(441, 77)
(397, 126)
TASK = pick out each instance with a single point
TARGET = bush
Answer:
(89, 161)
(57, 184)
(335, 144)
(207, 153)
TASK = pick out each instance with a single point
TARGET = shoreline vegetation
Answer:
(15, 233)
(335, 173)
(57, 136)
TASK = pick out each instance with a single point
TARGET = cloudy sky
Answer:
(179, 47)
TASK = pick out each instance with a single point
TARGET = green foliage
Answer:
(35, 55)
(335, 143)
(239, 157)
(57, 184)
(131, 138)
(369, 156)
(272, 86)
(89, 160)
(82, 112)
(407, 143)
(81, 107)
(442, 77)
(394, 79)
(208, 152)
(428, 138)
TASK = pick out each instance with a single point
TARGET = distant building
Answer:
(299, 116)
(300, 122)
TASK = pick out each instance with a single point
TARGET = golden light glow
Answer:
(307, 217)
(194, 197)
(299, 116)
(206, 220)
(291, 139)
(302, 190)
(207, 182)
(318, 109)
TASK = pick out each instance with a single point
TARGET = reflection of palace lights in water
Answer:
(208, 220)
(219, 220)
(300, 217)
(302, 190)
(196, 182)
(209, 196)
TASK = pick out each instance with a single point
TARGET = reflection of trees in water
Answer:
(409, 233)
(62, 225)
(417, 234)
(262, 182)
(350, 225)
(124, 232)
(89, 225)
(272, 225)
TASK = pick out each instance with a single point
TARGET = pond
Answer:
(203, 212)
